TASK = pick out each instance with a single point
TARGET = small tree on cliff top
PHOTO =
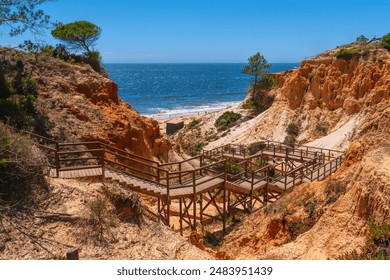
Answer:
(78, 35)
(256, 67)
(19, 15)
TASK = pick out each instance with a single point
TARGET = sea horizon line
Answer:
(194, 63)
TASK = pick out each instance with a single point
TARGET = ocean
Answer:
(169, 90)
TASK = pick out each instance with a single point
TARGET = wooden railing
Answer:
(311, 170)
(319, 163)
(277, 148)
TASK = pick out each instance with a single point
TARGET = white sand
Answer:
(339, 139)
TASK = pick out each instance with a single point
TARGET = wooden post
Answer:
(194, 198)
(168, 200)
(57, 158)
(251, 194)
(200, 165)
(103, 164)
(72, 254)
(180, 172)
(181, 216)
(330, 170)
(201, 209)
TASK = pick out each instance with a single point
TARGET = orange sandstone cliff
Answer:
(80, 104)
(336, 103)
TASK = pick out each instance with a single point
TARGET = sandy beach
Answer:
(186, 118)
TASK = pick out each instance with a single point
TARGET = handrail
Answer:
(132, 154)
(63, 144)
(180, 162)
(199, 168)
(129, 159)
(321, 163)
(132, 168)
(305, 146)
(80, 151)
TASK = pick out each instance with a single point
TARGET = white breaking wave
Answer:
(165, 113)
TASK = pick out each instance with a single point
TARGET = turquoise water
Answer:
(166, 90)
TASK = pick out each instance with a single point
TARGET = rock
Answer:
(83, 105)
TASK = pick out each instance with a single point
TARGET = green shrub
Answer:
(97, 210)
(385, 43)
(378, 244)
(249, 105)
(267, 82)
(292, 131)
(361, 40)
(193, 123)
(226, 119)
(232, 168)
(261, 162)
(93, 59)
(18, 94)
(21, 165)
(196, 148)
(346, 54)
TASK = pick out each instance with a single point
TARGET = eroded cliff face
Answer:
(325, 96)
(81, 104)
(336, 103)
(326, 92)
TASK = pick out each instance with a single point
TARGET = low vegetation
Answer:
(226, 120)
(193, 123)
(363, 44)
(197, 148)
(346, 54)
(377, 246)
(232, 168)
(97, 209)
(21, 166)
(249, 104)
(18, 93)
(385, 43)
(266, 83)
(292, 131)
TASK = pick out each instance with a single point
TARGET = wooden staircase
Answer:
(251, 184)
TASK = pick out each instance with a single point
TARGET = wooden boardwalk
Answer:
(227, 179)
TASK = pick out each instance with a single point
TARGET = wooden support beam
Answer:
(181, 216)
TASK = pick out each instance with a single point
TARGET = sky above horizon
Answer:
(175, 31)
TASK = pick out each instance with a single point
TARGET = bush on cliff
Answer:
(385, 43)
(292, 131)
(226, 119)
(18, 93)
(346, 54)
(21, 165)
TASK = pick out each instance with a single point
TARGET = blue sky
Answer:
(219, 30)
